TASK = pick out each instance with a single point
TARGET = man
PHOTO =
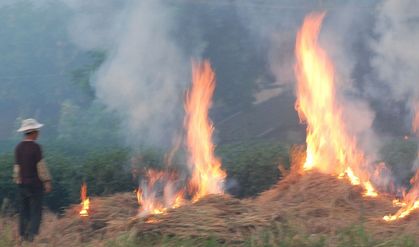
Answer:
(33, 178)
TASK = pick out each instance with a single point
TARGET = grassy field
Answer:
(281, 235)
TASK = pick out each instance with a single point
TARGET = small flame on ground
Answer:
(207, 174)
(403, 212)
(410, 201)
(397, 203)
(330, 149)
(85, 202)
(369, 190)
(350, 174)
(151, 220)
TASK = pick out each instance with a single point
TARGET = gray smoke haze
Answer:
(273, 25)
(147, 66)
(395, 58)
(343, 28)
(97, 24)
(145, 73)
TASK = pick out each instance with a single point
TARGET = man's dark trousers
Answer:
(30, 210)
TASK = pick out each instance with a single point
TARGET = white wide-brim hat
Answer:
(29, 125)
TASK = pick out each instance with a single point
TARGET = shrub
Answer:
(252, 167)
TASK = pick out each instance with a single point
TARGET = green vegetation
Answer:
(357, 236)
(279, 236)
(6, 235)
(399, 155)
(253, 168)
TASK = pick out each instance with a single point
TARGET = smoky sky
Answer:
(147, 69)
(147, 65)
(396, 58)
(146, 72)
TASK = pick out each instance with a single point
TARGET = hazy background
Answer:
(111, 75)
(131, 60)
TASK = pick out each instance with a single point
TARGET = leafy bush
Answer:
(252, 167)
(281, 235)
(356, 236)
(400, 154)
(6, 235)
(106, 172)
(7, 187)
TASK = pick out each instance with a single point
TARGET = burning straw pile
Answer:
(329, 188)
(227, 219)
(323, 204)
(107, 218)
(315, 203)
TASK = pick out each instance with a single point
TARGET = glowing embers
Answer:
(207, 174)
(85, 202)
(330, 149)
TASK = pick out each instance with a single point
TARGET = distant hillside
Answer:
(274, 119)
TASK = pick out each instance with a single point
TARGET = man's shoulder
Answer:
(28, 144)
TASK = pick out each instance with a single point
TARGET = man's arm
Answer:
(16, 168)
(44, 175)
(16, 174)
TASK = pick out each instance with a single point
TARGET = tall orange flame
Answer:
(330, 149)
(85, 202)
(207, 174)
(159, 192)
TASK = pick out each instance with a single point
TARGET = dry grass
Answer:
(323, 204)
(108, 218)
(226, 219)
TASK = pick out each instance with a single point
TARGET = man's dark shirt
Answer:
(27, 156)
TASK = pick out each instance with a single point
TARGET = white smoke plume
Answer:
(343, 27)
(145, 72)
(396, 59)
